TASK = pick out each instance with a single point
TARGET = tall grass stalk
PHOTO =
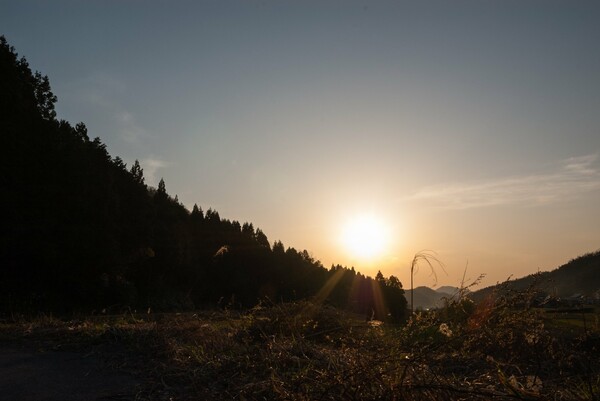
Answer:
(431, 259)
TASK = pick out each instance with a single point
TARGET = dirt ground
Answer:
(27, 373)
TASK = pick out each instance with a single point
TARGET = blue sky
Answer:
(470, 127)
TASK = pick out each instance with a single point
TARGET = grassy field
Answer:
(573, 321)
(307, 351)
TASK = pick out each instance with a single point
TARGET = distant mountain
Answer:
(427, 298)
(579, 276)
(448, 289)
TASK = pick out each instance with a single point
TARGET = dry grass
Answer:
(303, 351)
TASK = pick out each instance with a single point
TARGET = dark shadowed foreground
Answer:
(501, 349)
(30, 374)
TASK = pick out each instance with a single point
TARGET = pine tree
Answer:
(137, 172)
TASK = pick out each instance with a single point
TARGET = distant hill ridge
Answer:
(427, 298)
(448, 289)
(578, 276)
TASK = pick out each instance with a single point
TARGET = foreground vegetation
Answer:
(499, 349)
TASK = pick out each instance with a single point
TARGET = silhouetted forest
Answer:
(580, 276)
(82, 231)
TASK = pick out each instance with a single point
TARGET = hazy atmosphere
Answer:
(469, 128)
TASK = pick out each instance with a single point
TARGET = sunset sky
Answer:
(470, 128)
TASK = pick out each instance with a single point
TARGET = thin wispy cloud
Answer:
(105, 93)
(130, 130)
(151, 165)
(570, 179)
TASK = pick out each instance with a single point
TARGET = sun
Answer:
(365, 236)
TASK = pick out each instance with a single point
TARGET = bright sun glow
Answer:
(365, 236)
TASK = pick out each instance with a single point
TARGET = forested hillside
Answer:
(81, 230)
(579, 276)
